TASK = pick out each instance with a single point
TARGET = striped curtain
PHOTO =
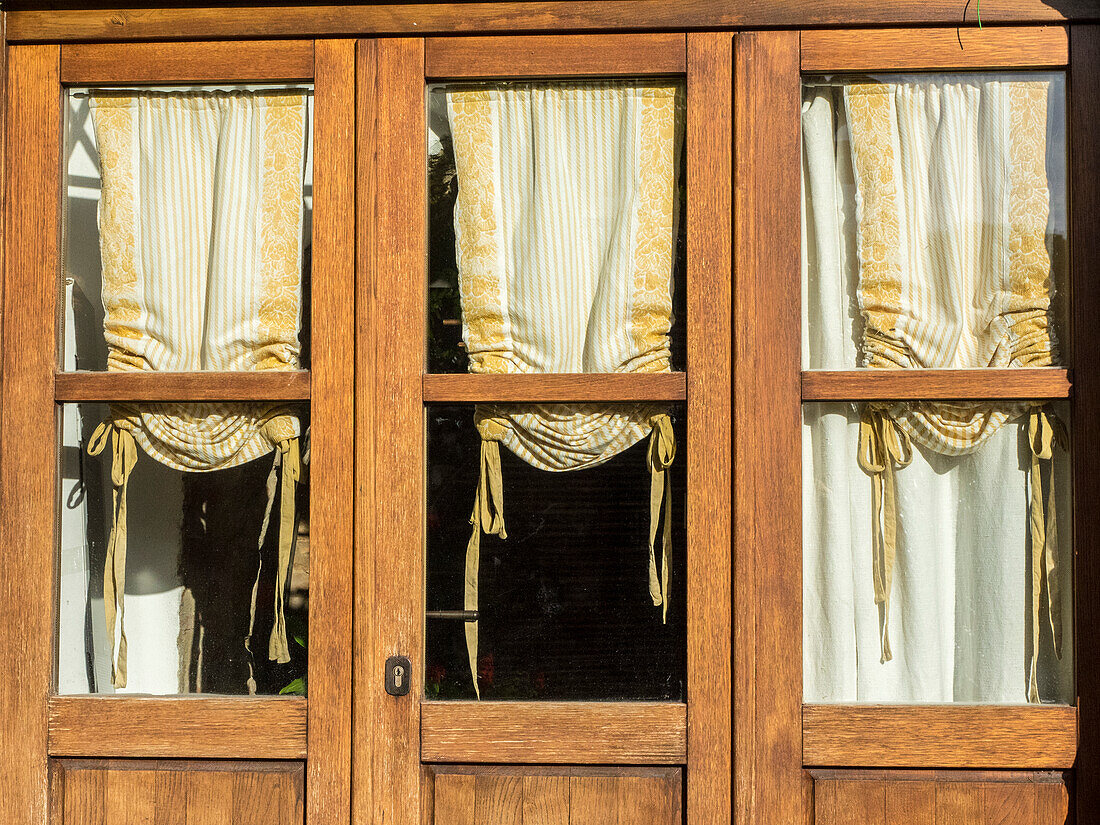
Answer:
(564, 226)
(200, 223)
(952, 206)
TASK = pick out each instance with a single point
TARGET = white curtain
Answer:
(961, 616)
(565, 229)
(200, 225)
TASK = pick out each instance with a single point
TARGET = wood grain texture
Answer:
(554, 55)
(198, 727)
(86, 64)
(155, 792)
(29, 23)
(945, 736)
(181, 386)
(332, 479)
(461, 388)
(1002, 47)
(554, 732)
(877, 797)
(935, 385)
(1084, 177)
(709, 148)
(523, 795)
(767, 492)
(29, 436)
(395, 284)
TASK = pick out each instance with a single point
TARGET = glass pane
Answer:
(201, 560)
(556, 214)
(565, 601)
(963, 618)
(187, 229)
(934, 221)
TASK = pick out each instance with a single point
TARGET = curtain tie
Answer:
(662, 451)
(1045, 431)
(487, 516)
(278, 650)
(123, 459)
(883, 448)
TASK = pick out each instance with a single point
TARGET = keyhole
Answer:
(398, 675)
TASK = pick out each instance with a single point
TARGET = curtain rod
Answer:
(119, 90)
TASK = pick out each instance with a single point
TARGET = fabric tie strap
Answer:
(1044, 431)
(488, 516)
(882, 449)
(124, 457)
(289, 455)
(662, 451)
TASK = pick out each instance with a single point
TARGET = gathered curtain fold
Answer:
(565, 231)
(200, 222)
(952, 205)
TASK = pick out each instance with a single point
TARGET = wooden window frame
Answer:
(696, 734)
(969, 737)
(48, 725)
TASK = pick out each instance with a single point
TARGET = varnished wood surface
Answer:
(1084, 176)
(332, 470)
(86, 64)
(29, 23)
(192, 727)
(944, 736)
(554, 55)
(182, 386)
(1016, 47)
(935, 385)
(28, 473)
(162, 792)
(477, 795)
(393, 283)
(767, 491)
(554, 732)
(852, 797)
(709, 148)
(463, 388)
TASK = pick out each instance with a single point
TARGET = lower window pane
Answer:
(930, 569)
(201, 563)
(565, 601)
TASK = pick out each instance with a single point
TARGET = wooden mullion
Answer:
(554, 55)
(28, 441)
(554, 732)
(935, 385)
(940, 49)
(86, 64)
(192, 727)
(561, 387)
(182, 386)
(940, 736)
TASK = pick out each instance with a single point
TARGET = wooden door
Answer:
(451, 761)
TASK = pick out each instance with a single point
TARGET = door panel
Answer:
(465, 795)
(152, 792)
(894, 797)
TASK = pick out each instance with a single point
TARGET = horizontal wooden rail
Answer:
(1041, 737)
(86, 64)
(185, 727)
(653, 733)
(555, 387)
(1002, 47)
(182, 386)
(555, 55)
(935, 385)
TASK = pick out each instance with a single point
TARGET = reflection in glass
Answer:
(556, 214)
(204, 555)
(951, 615)
(565, 604)
(934, 221)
